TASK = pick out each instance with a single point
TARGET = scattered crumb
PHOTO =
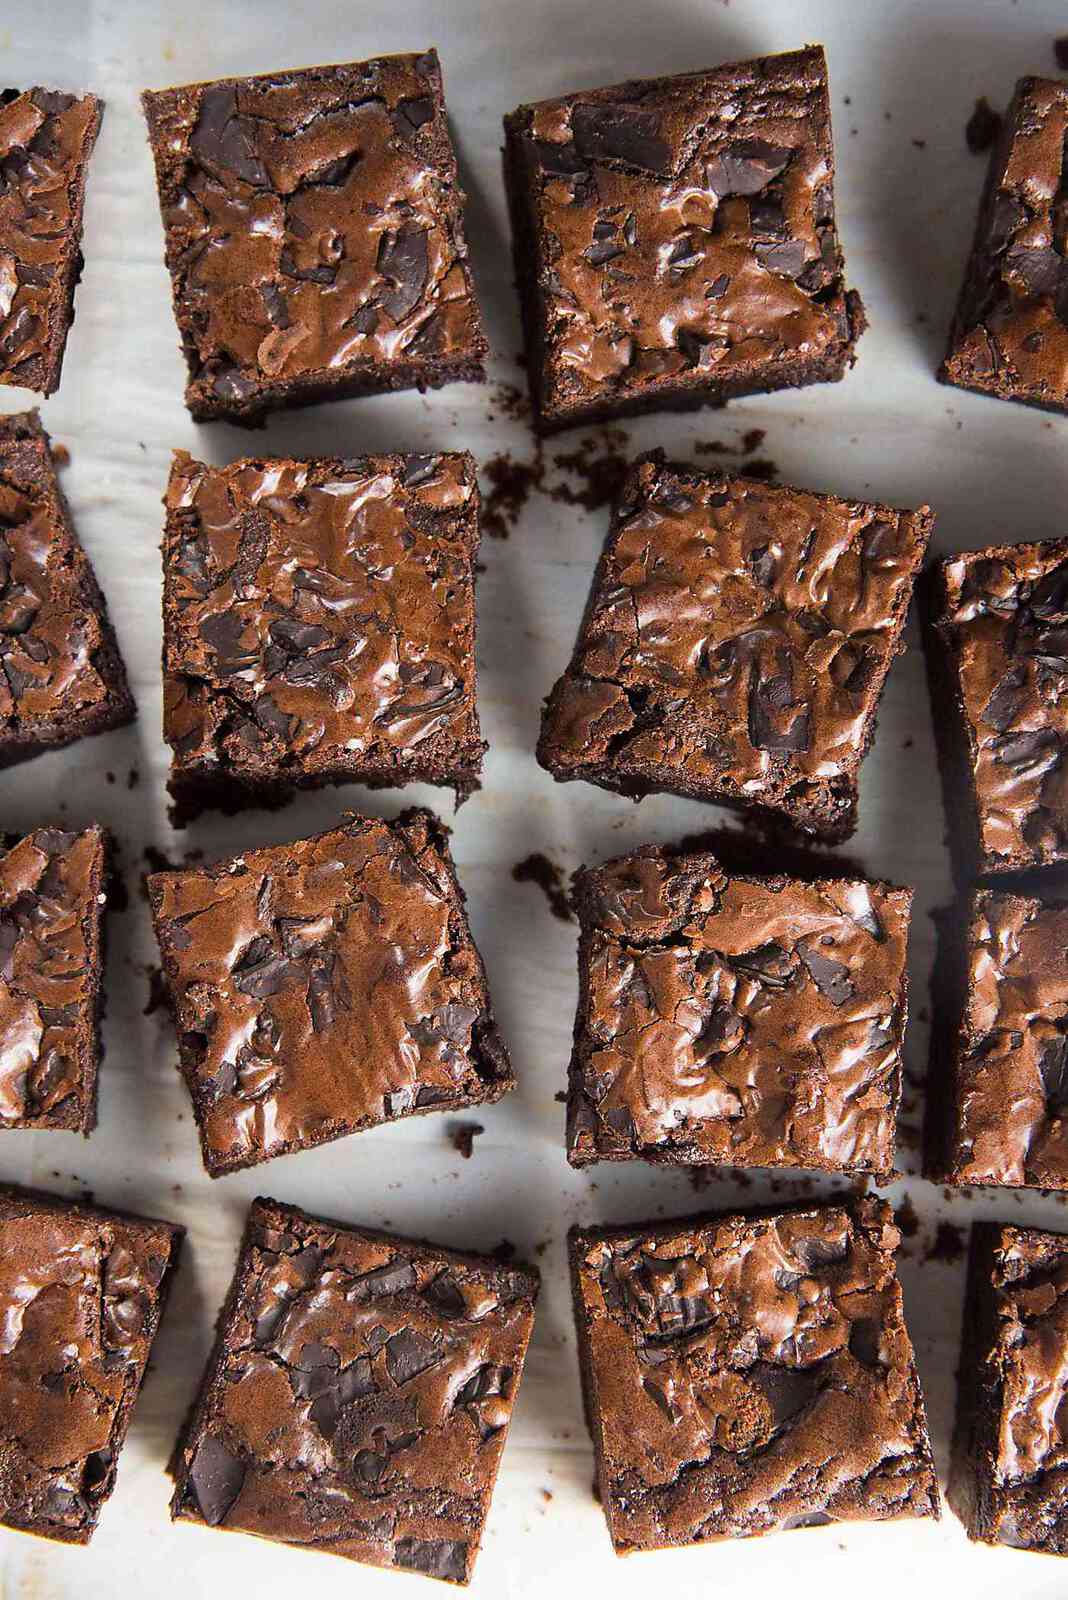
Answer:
(133, 778)
(983, 126)
(920, 144)
(749, 441)
(538, 869)
(907, 1219)
(511, 483)
(110, 776)
(906, 744)
(700, 1178)
(510, 399)
(561, 1096)
(463, 1136)
(1060, 51)
(60, 455)
(546, 1495)
(752, 440)
(541, 1246)
(158, 996)
(947, 1244)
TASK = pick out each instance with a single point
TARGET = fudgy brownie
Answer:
(359, 1394)
(995, 631)
(314, 235)
(675, 242)
(81, 1296)
(735, 645)
(734, 1020)
(46, 139)
(1006, 1480)
(1009, 337)
(319, 626)
(325, 986)
(749, 1374)
(61, 675)
(51, 972)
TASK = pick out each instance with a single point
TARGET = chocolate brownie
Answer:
(325, 986)
(734, 1020)
(749, 1374)
(314, 235)
(81, 1296)
(1006, 1480)
(1009, 337)
(675, 242)
(61, 675)
(735, 645)
(319, 626)
(46, 139)
(51, 973)
(359, 1394)
(996, 622)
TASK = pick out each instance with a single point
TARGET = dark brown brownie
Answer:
(314, 233)
(325, 986)
(995, 631)
(675, 242)
(319, 627)
(61, 675)
(749, 1374)
(51, 972)
(1009, 337)
(735, 645)
(359, 1394)
(736, 1021)
(81, 1296)
(46, 139)
(1006, 1480)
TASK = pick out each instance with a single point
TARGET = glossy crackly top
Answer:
(685, 226)
(79, 1305)
(360, 1395)
(1006, 620)
(49, 955)
(313, 223)
(743, 1021)
(750, 1374)
(325, 986)
(320, 615)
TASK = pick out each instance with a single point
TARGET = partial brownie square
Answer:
(735, 645)
(728, 1020)
(745, 1375)
(359, 1394)
(51, 974)
(325, 986)
(319, 627)
(675, 241)
(996, 623)
(61, 675)
(81, 1295)
(1006, 1480)
(1009, 337)
(314, 235)
(46, 140)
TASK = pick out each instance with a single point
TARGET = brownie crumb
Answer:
(158, 995)
(133, 778)
(510, 400)
(947, 1244)
(546, 1495)
(752, 440)
(538, 869)
(511, 484)
(1060, 51)
(110, 776)
(61, 455)
(907, 1220)
(983, 126)
(601, 462)
(463, 1136)
(561, 1097)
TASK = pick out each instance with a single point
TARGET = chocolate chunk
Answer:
(620, 133)
(223, 142)
(787, 1390)
(745, 168)
(216, 1477)
(403, 259)
(865, 1341)
(436, 1558)
(830, 977)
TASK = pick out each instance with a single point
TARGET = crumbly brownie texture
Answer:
(998, 665)
(325, 986)
(51, 911)
(81, 1296)
(319, 627)
(61, 675)
(46, 140)
(359, 1394)
(1006, 1480)
(314, 235)
(735, 645)
(749, 1374)
(675, 241)
(725, 1020)
(1009, 337)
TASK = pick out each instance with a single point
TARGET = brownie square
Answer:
(46, 139)
(314, 235)
(675, 242)
(998, 669)
(51, 974)
(81, 1296)
(359, 1394)
(319, 626)
(61, 675)
(1009, 336)
(325, 986)
(743, 1375)
(1006, 1480)
(727, 1020)
(735, 645)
